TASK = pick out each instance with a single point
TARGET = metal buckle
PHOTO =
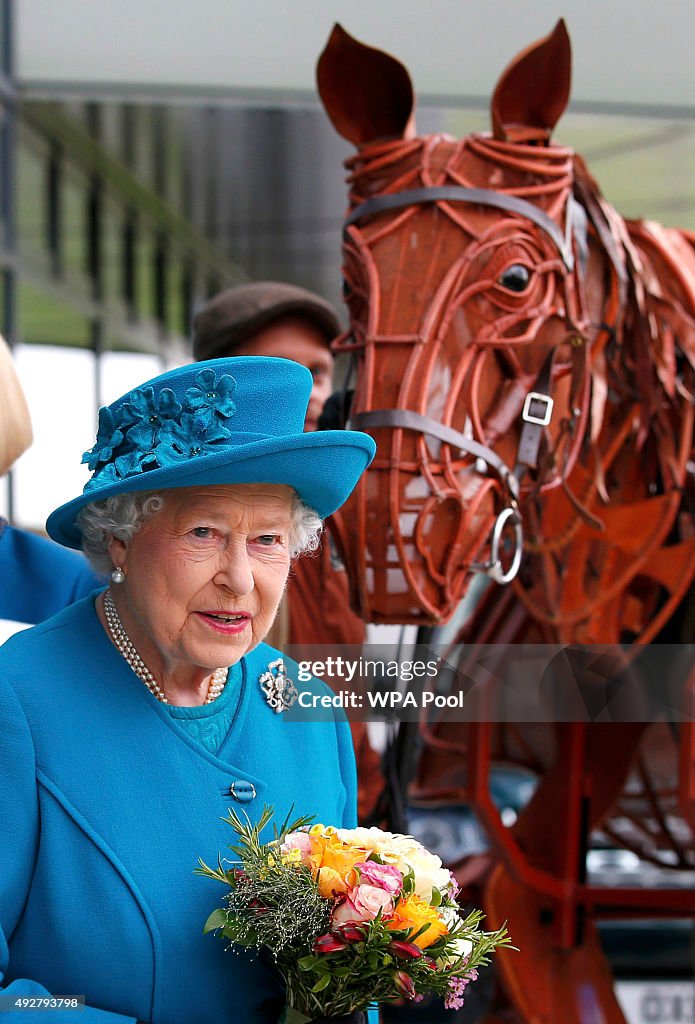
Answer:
(544, 418)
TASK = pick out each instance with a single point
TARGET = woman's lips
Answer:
(228, 623)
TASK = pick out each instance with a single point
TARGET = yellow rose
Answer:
(293, 856)
(333, 862)
(411, 914)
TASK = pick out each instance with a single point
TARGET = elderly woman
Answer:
(131, 721)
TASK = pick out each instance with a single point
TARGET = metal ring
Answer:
(493, 568)
(495, 571)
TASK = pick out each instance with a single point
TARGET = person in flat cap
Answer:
(274, 318)
(37, 577)
(134, 719)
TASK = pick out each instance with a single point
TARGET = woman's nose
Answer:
(235, 572)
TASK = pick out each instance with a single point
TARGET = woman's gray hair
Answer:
(121, 516)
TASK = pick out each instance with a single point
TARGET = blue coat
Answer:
(106, 805)
(38, 577)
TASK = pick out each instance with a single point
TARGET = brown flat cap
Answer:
(231, 317)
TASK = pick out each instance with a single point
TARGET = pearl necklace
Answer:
(125, 647)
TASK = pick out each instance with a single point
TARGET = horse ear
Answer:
(367, 93)
(532, 94)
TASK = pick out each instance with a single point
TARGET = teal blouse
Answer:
(209, 724)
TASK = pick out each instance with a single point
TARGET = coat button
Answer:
(242, 791)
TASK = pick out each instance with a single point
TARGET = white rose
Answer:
(405, 853)
(428, 871)
(388, 845)
(369, 837)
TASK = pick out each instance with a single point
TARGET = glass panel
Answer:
(144, 275)
(74, 224)
(59, 385)
(177, 284)
(111, 128)
(30, 184)
(643, 165)
(44, 321)
(121, 371)
(111, 253)
(175, 304)
(5, 41)
(144, 145)
(5, 165)
(175, 158)
(175, 358)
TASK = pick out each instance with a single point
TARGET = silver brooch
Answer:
(279, 690)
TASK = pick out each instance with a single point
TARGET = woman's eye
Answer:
(515, 278)
(203, 532)
(268, 539)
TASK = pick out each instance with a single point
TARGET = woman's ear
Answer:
(118, 551)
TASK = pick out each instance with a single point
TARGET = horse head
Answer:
(488, 285)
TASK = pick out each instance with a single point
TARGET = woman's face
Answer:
(205, 575)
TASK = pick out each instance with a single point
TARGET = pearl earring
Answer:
(117, 576)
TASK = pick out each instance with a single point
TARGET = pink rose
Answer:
(362, 903)
(383, 876)
(298, 841)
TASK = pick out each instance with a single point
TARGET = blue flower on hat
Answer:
(108, 474)
(128, 463)
(196, 434)
(147, 413)
(151, 430)
(108, 438)
(207, 394)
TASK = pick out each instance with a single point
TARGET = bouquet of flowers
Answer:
(350, 916)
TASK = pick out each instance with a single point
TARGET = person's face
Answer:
(293, 337)
(205, 575)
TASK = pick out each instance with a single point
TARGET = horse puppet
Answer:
(525, 360)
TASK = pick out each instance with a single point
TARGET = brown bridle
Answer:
(538, 404)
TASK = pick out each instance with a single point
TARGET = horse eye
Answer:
(347, 289)
(515, 278)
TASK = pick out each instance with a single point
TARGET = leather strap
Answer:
(532, 432)
(410, 420)
(483, 197)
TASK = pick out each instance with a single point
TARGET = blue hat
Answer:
(224, 421)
